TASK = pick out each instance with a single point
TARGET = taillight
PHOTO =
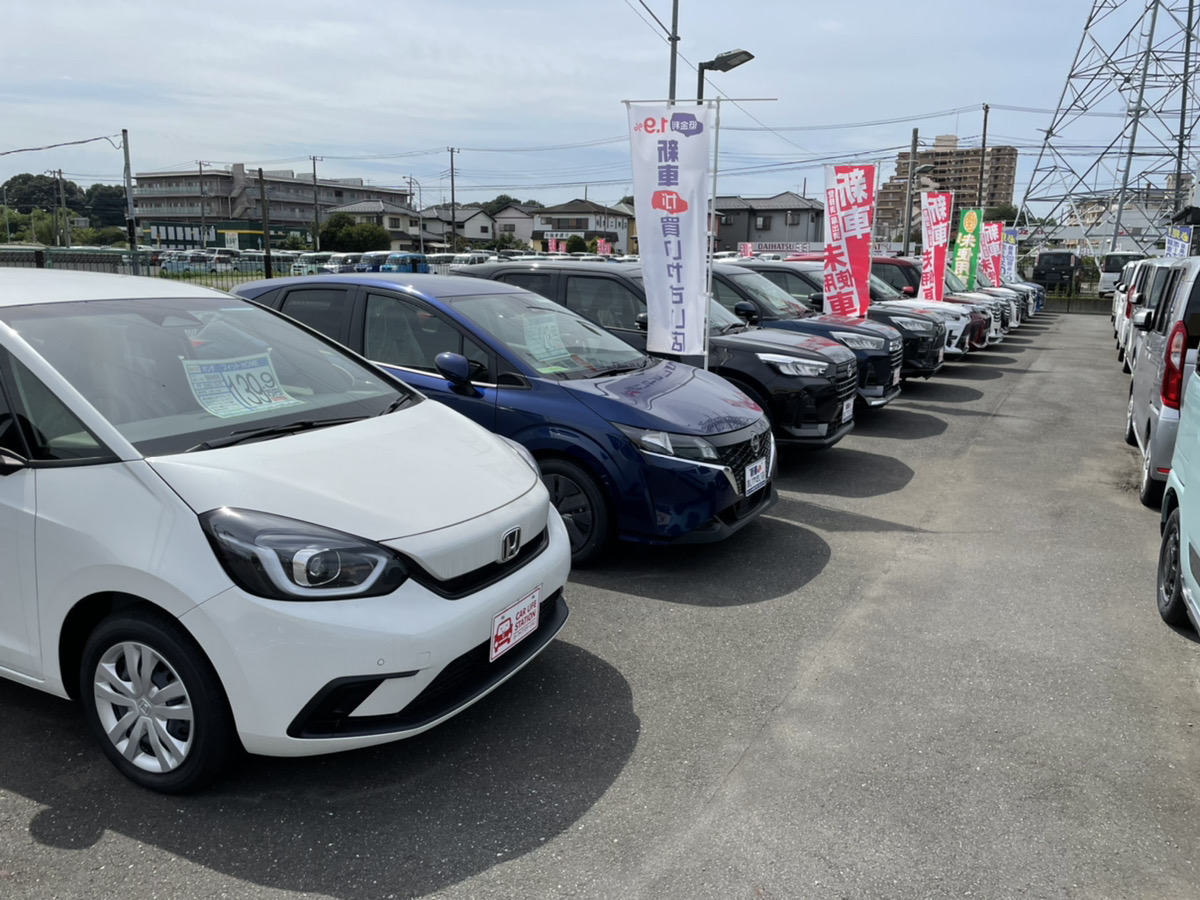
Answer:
(1172, 383)
(1128, 309)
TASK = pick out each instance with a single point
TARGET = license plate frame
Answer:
(756, 476)
(514, 623)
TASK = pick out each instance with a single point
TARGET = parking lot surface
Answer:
(935, 670)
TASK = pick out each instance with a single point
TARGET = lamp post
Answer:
(913, 171)
(722, 63)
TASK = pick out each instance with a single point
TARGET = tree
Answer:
(105, 204)
(293, 242)
(335, 232)
(364, 237)
(627, 200)
(28, 191)
(507, 241)
(576, 244)
(1004, 212)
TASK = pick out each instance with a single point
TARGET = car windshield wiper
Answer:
(625, 367)
(400, 402)
(253, 434)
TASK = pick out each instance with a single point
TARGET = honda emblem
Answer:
(510, 543)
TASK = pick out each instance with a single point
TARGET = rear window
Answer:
(1115, 262)
(1056, 260)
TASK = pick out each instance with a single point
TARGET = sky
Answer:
(529, 93)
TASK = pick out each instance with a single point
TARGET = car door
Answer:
(406, 336)
(326, 308)
(18, 510)
(609, 303)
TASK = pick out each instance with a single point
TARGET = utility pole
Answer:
(62, 203)
(130, 221)
(266, 224)
(7, 234)
(674, 39)
(982, 154)
(203, 223)
(912, 165)
(420, 215)
(316, 208)
(453, 205)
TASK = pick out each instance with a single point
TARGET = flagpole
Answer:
(712, 233)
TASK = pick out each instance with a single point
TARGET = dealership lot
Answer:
(935, 668)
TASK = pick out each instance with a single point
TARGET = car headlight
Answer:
(286, 559)
(858, 341)
(522, 452)
(913, 324)
(791, 365)
(663, 443)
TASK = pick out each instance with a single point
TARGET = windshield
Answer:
(171, 374)
(954, 283)
(1115, 262)
(982, 279)
(769, 294)
(548, 338)
(884, 291)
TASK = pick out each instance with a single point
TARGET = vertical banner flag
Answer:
(602, 247)
(849, 209)
(670, 194)
(1008, 255)
(966, 246)
(990, 249)
(935, 239)
(1179, 240)
(745, 249)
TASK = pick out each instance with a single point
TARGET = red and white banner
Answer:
(745, 249)
(670, 192)
(602, 247)
(849, 211)
(936, 210)
(992, 250)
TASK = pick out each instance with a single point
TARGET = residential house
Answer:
(470, 223)
(585, 218)
(769, 223)
(403, 224)
(516, 220)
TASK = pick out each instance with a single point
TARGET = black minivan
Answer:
(806, 385)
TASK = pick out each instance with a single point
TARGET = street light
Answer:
(723, 63)
(912, 173)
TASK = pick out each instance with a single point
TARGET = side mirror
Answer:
(744, 309)
(1143, 319)
(817, 301)
(455, 368)
(10, 463)
(642, 321)
(909, 290)
(1119, 286)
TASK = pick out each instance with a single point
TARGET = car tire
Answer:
(1120, 353)
(583, 505)
(1169, 589)
(183, 739)
(1130, 432)
(1150, 491)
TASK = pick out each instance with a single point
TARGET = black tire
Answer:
(174, 753)
(1130, 432)
(1150, 491)
(1120, 353)
(1169, 589)
(583, 505)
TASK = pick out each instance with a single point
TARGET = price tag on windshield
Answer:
(543, 339)
(237, 387)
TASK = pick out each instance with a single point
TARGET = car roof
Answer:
(430, 285)
(23, 287)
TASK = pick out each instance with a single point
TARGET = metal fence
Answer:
(215, 273)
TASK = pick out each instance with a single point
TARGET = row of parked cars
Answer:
(334, 510)
(1156, 326)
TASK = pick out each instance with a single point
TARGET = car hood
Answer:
(776, 340)
(670, 396)
(388, 477)
(904, 307)
(844, 322)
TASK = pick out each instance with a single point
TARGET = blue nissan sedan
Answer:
(630, 446)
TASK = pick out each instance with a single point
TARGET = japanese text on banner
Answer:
(670, 151)
(849, 212)
(936, 208)
(966, 246)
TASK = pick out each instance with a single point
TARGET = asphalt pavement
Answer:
(934, 670)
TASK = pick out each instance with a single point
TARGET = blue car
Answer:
(631, 447)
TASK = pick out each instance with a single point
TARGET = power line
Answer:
(105, 137)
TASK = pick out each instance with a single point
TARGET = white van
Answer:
(1111, 265)
(223, 530)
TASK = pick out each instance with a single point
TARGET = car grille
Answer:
(468, 583)
(743, 447)
(897, 352)
(846, 381)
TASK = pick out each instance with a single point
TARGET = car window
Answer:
(402, 334)
(51, 430)
(324, 309)
(605, 301)
(798, 287)
(10, 428)
(727, 296)
(891, 274)
(538, 282)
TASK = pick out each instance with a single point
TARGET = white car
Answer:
(956, 317)
(222, 529)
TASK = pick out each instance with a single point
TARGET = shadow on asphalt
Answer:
(987, 358)
(777, 557)
(842, 472)
(828, 519)
(401, 820)
(940, 392)
(964, 371)
(898, 423)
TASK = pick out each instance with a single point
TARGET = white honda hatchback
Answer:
(220, 528)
